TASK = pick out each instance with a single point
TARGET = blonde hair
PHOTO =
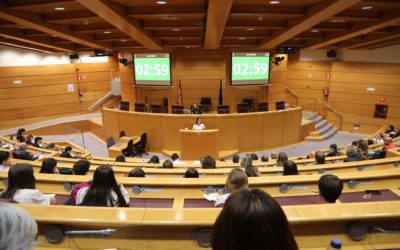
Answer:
(236, 180)
(246, 161)
(18, 230)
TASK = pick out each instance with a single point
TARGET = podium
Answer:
(198, 143)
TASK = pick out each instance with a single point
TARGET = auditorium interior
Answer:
(172, 97)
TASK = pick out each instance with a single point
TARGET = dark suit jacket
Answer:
(36, 145)
(66, 155)
(25, 155)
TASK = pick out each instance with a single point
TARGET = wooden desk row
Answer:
(151, 228)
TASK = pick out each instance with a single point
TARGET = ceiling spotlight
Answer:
(242, 38)
(315, 30)
(107, 32)
(176, 29)
(366, 7)
(274, 2)
(59, 8)
(161, 2)
(122, 40)
(260, 18)
(86, 22)
(180, 38)
(250, 29)
(338, 21)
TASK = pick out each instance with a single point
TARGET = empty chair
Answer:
(223, 109)
(263, 106)
(243, 108)
(205, 103)
(249, 102)
(279, 105)
(139, 147)
(124, 106)
(177, 109)
(140, 107)
(110, 141)
(155, 108)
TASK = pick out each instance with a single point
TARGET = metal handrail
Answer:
(293, 94)
(100, 101)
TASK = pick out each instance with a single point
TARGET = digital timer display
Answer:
(152, 69)
(250, 68)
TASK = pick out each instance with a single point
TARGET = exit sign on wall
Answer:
(81, 77)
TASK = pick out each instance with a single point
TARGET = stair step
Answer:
(308, 115)
(331, 133)
(318, 119)
(325, 129)
(321, 124)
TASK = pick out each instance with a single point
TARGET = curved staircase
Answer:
(323, 129)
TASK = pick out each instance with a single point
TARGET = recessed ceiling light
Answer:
(338, 21)
(122, 40)
(176, 29)
(366, 7)
(242, 38)
(315, 30)
(86, 22)
(250, 29)
(274, 2)
(260, 18)
(107, 32)
(181, 38)
(161, 2)
(59, 8)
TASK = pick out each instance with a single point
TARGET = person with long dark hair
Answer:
(49, 166)
(104, 190)
(252, 220)
(128, 151)
(22, 189)
(20, 135)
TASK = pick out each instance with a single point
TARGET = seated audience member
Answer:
(120, 158)
(252, 220)
(236, 181)
(168, 164)
(81, 167)
(252, 171)
(196, 110)
(20, 135)
(51, 146)
(104, 190)
(129, 150)
(264, 158)
(154, 159)
(191, 173)
(29, 139)
(388, 144)
(330, 187)
(25, 155)
(235, 158)
(38, 142)
(319, 157)
(246, 161)
(137, 172)
(21, 187)
(5, 162)
(67, 152)
(333, 151)
(290, 168)
(49, 166)
(18, 230)
(362, 147)
(208, 163)
(352, 155)
(282, 157)
(390, 131)
(175, 159)
(254, 156)
(198, 125)
(274, 155)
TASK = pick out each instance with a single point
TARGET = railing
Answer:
(329, 108)
(293, 94)
(101, 101)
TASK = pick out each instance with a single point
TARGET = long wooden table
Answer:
(237, 132)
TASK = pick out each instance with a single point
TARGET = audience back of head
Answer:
(252, 171)
(264, 158)
(19, 177)
(137, 172)
(282, 157)
(81, 167)
(252, 220)
(254, 156)
(290, 168)
(168, 164)
(120, 158)
(18, 229)
(208, 162)
(319, 157)
(49, 166)
(174, 157)
(154, 159)
(191, 173)
(235, 158)
(246, 161)
(237, 180)
(330, 187)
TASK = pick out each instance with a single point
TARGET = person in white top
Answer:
(5, 162)
(198, 125)
(104, 190)
(21, 187)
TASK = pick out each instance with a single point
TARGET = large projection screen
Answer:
(152, 69)
(250, 68)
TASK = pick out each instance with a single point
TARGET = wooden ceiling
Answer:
(112, 25)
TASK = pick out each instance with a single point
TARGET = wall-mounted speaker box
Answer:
(331, 54)
(73, 56)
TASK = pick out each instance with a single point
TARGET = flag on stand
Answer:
(180, 102)
(220, 98)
